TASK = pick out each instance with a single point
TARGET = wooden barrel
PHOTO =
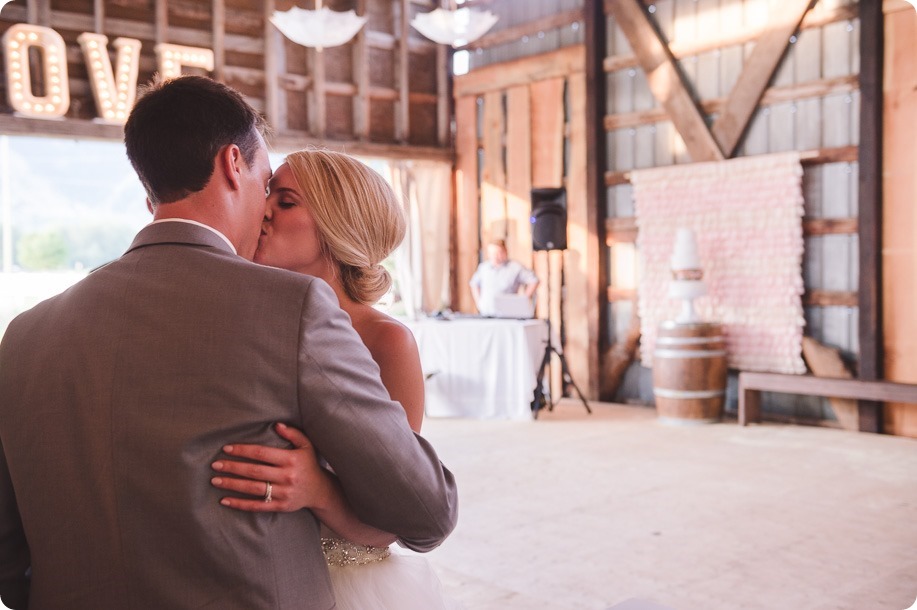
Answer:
(689, 372)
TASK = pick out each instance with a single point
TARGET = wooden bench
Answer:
(752, 384)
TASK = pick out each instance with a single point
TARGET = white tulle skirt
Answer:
(396, 582)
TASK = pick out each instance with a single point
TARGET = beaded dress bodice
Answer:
(343, 553)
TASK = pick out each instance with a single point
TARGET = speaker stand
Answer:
(539, 400)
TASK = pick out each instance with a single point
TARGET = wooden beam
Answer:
(497, 77)
(581, 305)
(711, 41)
(98, 16)
(289, 141)
(830, 226)
(84, 22)
(829, 298)
(76, 128)
(731, 124)
(872, 49)
(161, 21)
(840, 154)
(774, 95)
(402, 72)
(665, 80)
(443, 94)
(39, 12)
(360, 67)
(595, 42)
(623, 229)
(529, 28)
(318, 112)
(271, 83)
(755, 383)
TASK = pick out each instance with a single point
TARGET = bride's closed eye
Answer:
(285, 205)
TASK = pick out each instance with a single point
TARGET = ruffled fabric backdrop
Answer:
(747, 216)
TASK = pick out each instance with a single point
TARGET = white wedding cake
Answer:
(687, 275)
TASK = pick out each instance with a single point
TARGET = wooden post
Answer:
(98, 16)
(219, 38)
(271, 101)
(361, 74)
(596, 192)
(466, 245)
(161, 20)
(402, 73)
(872, 47)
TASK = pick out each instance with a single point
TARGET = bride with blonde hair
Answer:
(330, 216)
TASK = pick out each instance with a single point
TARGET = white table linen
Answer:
(480, 368)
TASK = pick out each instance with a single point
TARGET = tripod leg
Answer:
(538, 401)
(568, 378)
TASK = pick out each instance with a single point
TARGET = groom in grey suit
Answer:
(116, 396)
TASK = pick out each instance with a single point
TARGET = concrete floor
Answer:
(588, 512)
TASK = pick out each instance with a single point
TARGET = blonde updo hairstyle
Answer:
(358, 216)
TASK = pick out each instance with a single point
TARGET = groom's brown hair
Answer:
(178, 126)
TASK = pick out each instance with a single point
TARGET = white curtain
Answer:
(422, 260)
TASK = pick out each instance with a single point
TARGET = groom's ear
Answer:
(230, 162)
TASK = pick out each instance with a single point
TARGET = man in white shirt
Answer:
(499, 275)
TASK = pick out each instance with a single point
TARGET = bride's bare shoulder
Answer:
(385, 336)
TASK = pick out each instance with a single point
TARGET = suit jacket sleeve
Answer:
(391, 476)
(14, 551)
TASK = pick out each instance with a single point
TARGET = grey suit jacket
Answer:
(116, 396)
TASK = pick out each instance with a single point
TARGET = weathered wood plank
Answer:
(751, 383)
(161, 20)
(547, 132)
(899, 222)
(775, 95)
(519, 174)
(402, 71)
(493, 172)
(530, 28)
(665, 80)
(98, 16)
(467, 243)
(361, 68)
(443, 97)
(825, 361)
(582, 286)
(871, 329)
(808, 158)
(218, 28)
(498, 77)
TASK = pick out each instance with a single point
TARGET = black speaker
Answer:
(549, 219)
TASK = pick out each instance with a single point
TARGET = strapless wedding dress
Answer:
(382, 578)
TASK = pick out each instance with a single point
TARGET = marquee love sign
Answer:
(114, 88)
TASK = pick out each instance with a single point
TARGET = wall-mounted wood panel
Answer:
(899, 252)
(382, 88)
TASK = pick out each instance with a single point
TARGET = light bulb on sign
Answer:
(16, 43)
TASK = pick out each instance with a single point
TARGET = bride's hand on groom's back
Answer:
(276, 480)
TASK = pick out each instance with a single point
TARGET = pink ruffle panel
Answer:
(747, 216)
